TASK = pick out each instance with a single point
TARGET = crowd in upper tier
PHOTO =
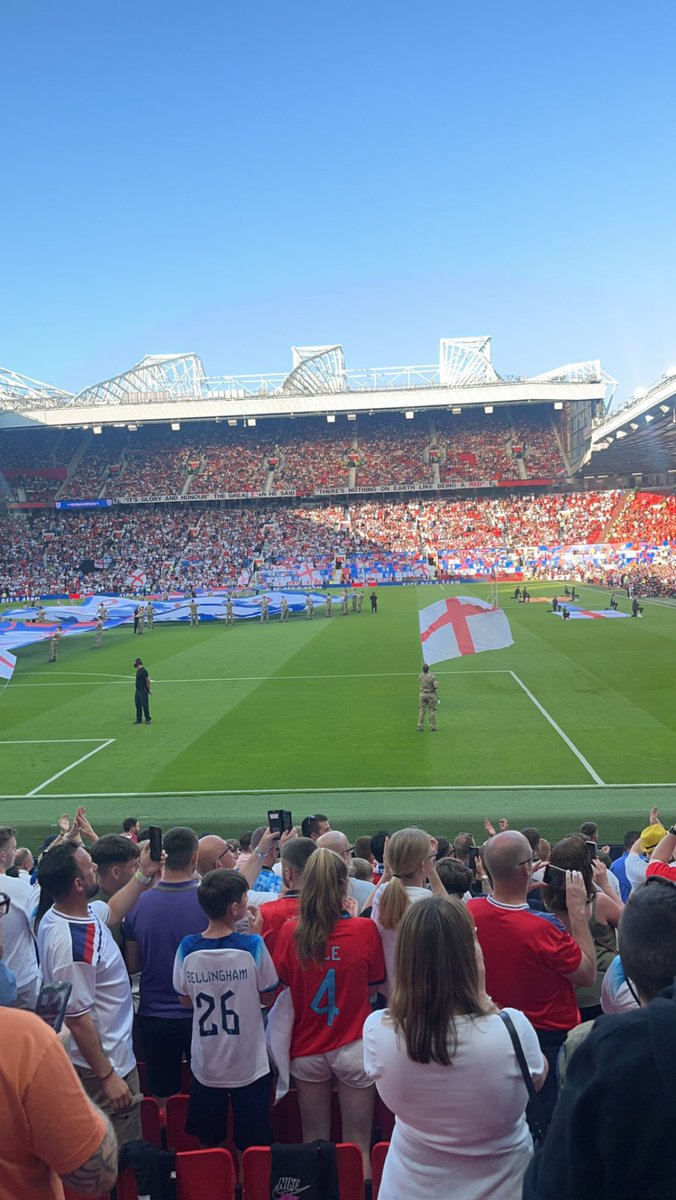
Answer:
(300, 456)
(182, 546)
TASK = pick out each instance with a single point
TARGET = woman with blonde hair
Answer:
(330, 962)
(443, 1062)
(410, 860)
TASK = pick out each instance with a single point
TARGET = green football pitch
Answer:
(576, 720)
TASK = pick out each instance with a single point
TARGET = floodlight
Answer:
(633, 425)
(456, 411)
(409, 414)
(648, 418)
(488, 409)
(175, 425)
(558, 405)
(621, 433)
(132, 428)
(352, 416)
(97, 429)
(251, 421)
(232, 421)
(331, 418)
(665, 408)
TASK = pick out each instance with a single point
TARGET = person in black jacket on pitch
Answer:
(142, 693)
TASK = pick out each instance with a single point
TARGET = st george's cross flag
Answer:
(7, 664)
(462, 625)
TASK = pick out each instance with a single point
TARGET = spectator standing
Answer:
(116, 859)
(229, 1057)
(315, 825)
(215, 853)
(295, 856)
(50, 1132)
(76, 947)
(131, 826)
(619, 867)
(330, 963)
(358, 889)
(7, 978)
(19, 944)
(532, 962)
(153, 931)
(444, 1063)
(411, 861)
(615, 1114)
(639, 856)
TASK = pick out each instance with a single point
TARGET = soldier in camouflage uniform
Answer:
(229, 612)
(329, 602)
(194, 615)
(283, 609)
(265, 610)
(54, 643)
(427, 699)
(309, 609)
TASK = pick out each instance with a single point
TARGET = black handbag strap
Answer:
(520, 1057)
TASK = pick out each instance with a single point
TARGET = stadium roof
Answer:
(175, 386)
(640, 436)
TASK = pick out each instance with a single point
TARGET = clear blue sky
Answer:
(233, 178)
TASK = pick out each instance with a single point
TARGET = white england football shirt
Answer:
(17, 934)
(222, 977)
(82, 951)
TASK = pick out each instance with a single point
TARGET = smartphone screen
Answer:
(275, 820)
(474, 855)
(52, 1002)
(592, 850)
(155, 838)
(554, 876)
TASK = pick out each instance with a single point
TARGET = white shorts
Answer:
(346, 1063)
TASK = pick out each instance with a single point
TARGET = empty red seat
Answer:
(205, 1175)
(177, 1138)
(378, 1156)
(151, 1121)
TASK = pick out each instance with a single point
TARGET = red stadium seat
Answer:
(257, 1162)
(177, 1138)
(205, 1175)
(151, 1121)
(378, 1156)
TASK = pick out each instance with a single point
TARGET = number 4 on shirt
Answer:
(327, 988)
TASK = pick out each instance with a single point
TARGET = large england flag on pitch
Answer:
(7, 664)
(462, 625)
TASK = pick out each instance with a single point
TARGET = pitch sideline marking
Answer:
(103, 746)
(571, 745)
(471, 787)
(276, 678)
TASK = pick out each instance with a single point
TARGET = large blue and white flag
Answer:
(7, 664)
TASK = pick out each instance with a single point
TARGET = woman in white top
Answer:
(410, 861)
(444, 1063)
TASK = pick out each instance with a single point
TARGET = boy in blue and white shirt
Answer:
(223, 975)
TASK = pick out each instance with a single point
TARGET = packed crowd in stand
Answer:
(462, 993)
(392, 455)
(650, 517)
(187, 545)
(303, 456)
(312, 457)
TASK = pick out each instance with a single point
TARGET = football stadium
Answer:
(219, 502)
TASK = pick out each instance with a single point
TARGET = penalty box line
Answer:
(103, 744)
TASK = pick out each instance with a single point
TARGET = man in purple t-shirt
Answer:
(153, 931)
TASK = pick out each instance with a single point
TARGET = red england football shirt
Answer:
(527, 954)
(275, 915)
(661, 870)
(331, 998)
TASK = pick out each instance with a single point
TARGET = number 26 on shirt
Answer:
(229, 1018)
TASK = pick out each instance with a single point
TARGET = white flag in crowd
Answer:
(462, 625)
